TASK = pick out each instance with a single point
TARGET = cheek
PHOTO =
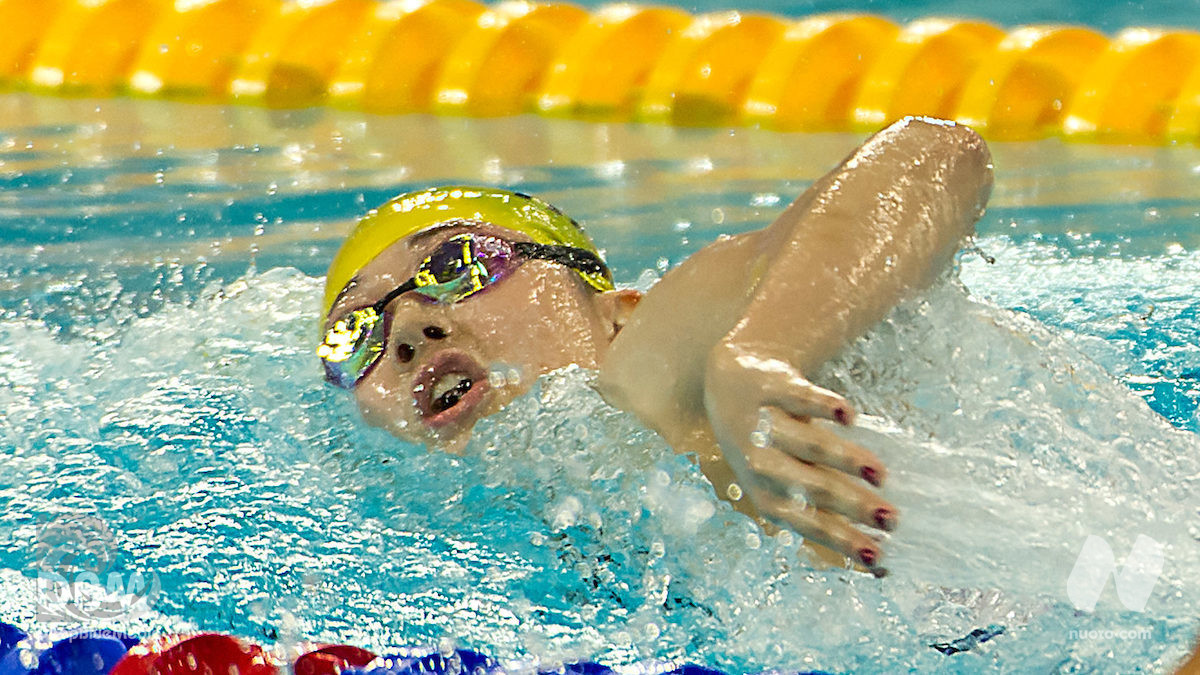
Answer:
(544, 323)
(383, 403)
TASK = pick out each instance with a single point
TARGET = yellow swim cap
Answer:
(416, 211)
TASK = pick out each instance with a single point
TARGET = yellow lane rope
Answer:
(830, 72)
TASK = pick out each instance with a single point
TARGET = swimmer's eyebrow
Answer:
(431, 231)
(350, 285)
(415, 239)
(418, 237)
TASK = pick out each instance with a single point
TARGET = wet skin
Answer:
(539, 318)
(732, 331)
(713, 358)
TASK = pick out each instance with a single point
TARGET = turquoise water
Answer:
(159, 278)
(1106, 15)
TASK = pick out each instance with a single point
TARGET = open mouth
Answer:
(448, 388)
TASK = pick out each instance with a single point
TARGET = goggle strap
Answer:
(395, 293)
(575, 258)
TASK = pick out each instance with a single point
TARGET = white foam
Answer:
(202, 435)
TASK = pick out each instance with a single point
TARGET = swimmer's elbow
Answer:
(966, 171)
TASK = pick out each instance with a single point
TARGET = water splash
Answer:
(202, 435)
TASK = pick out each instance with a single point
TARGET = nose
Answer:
(407, 338)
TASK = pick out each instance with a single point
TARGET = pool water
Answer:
(164, 416)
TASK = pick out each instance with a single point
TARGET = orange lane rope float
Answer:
(621, 62)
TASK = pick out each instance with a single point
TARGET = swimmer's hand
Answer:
(797, 473)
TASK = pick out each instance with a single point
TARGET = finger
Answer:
(824, 488)
(800, 398)
(825, 528)
(813, 443)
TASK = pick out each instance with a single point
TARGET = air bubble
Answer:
(734, 492)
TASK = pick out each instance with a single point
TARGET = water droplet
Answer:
(764, 199)
(657, 550)
(799, 496)
(496, 379)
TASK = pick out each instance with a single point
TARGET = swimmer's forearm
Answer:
(887, 221)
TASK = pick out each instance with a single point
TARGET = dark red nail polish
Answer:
(868, 474)
(885, 519)
(866, 556)
(842, 416)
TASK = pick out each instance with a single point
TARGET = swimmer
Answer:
(435, 287)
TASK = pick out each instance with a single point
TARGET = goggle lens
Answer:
(462, 266)
(352, 345)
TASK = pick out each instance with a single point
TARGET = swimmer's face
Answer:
(444, 366)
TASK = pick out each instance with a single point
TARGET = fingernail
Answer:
(842, 416)
(869, 474)
(885, 519)
(866, 556)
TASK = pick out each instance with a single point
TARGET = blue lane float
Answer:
(116, 653)
(77, 654)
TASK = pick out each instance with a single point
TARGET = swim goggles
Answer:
(458, 268)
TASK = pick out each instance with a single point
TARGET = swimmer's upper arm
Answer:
(888, 220)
